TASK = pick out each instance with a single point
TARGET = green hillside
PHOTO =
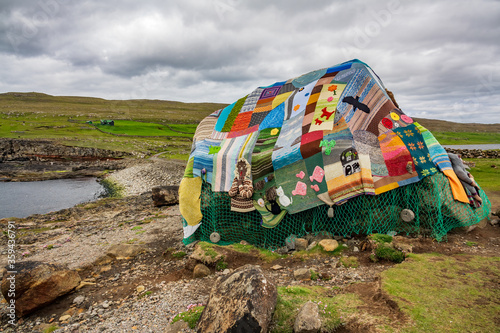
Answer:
(147, 127)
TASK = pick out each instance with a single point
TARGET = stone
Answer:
(165, 195)
(307, 320)
(402, 243)
(84, 284)
(303, 274)
(301, 244)
(282, 250)
(103, 260)
(125, 251)
(312, 245)
(329, 244)
(241, 302)
(290, 242)
(79, 300)
(355, 249)
(38, 284)
(277, 267)
(178, 326)
(140, 289)
(64, 318)
(494, 222)
(207, 256)
(200, 271)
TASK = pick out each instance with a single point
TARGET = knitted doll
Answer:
(241, 190)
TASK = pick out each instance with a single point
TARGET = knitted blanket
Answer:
(324, 137)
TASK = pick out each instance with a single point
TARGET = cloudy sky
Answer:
(440, 58)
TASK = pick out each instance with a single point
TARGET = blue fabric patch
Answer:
(274, 118)
(223, 117)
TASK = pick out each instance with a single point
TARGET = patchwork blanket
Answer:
(323, 138)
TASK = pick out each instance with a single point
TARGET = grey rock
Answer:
(165, 195)
(79, 300)
(307, 320)
(241, 302)
(302, 274)
(200, 271)
(312, 245)
(290, 242)
(301, 244)
(125, 251)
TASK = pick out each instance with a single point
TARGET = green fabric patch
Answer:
(188, 173)
(234, 113)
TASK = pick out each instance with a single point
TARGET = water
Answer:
(482, 147)
(21, 199)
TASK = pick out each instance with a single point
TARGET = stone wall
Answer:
(19, 149)
(475, 153)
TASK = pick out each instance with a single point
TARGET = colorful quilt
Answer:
(323, 138)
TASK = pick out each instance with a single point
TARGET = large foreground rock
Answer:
(165, 195)
(38, 284)
(241, 302)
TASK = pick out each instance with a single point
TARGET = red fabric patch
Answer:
(387, 123)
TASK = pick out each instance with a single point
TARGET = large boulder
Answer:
(37, 284)
(241, 302)
(165, 195)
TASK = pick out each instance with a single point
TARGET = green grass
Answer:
(349, 262)
(51, 329)
(179, 254)
(466, 138)
(136, 128)
(486, 176)
(291, 299)
(386, 252)
(112, 188)
(446, 294)
(380, 238)
(63, 119)
(191, 316)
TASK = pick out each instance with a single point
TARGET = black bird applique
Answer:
(354, 101)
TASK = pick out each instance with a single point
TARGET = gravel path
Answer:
(147, 174)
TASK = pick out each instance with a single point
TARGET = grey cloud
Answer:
(439, 58)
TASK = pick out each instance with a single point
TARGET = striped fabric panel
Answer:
(438, 155)
(225, 162)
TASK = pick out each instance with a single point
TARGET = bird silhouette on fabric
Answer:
(354, 101)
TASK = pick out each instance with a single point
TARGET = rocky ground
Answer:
(143, 290)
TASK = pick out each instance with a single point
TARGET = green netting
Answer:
(431, 200)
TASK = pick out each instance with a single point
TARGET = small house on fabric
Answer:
(328, 151)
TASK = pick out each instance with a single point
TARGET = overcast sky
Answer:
(440, 58)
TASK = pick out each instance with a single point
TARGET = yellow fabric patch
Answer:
(280, 99)
(189, 200)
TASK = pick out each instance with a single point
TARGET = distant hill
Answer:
(447, 126)
(136, 109)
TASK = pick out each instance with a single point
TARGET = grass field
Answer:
(147, 127)
(144, 127)
(466, 138)
(135, 128)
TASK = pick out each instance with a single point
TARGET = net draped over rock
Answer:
(328, 151)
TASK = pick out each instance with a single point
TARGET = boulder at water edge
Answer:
(38, 284)
(241, 302)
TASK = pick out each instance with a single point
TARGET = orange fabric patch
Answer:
(242, 121)
(456, 186)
